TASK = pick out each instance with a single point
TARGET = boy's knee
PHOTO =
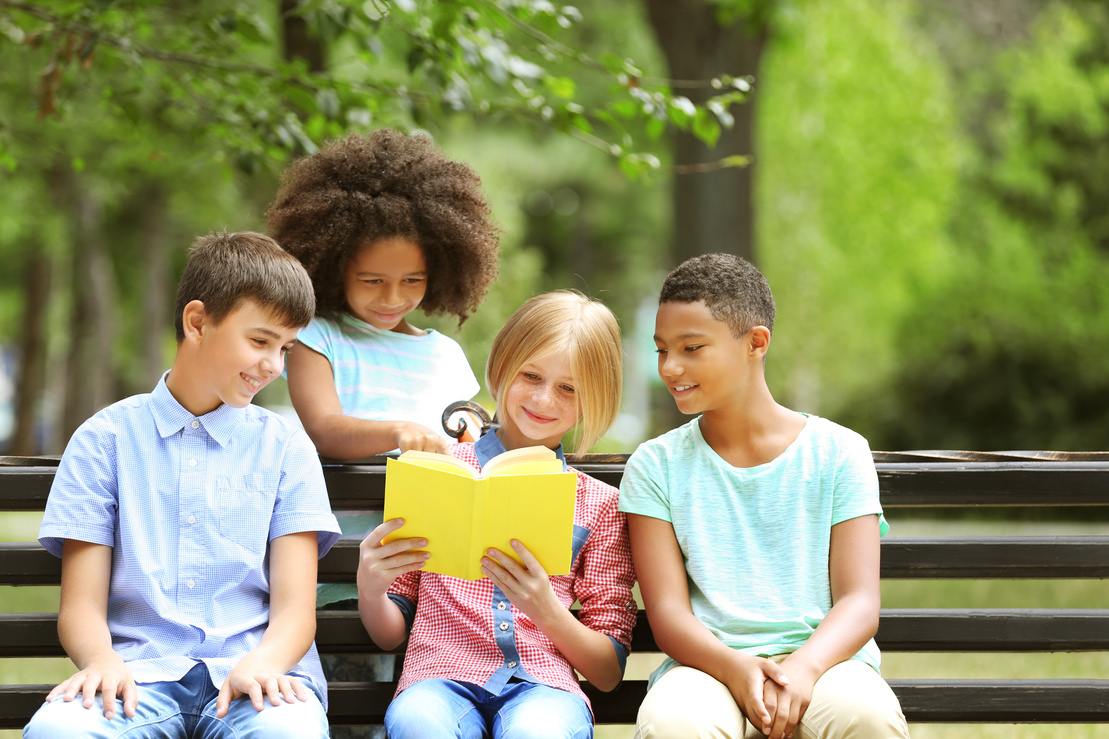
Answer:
(689, 703)
(853, 701)
(284, 721)
(679, 721)
(864, 721)
(61, 718)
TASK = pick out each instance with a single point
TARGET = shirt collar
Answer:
(490, 445)
(170, 416)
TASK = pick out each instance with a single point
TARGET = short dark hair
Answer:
(359, 190)
(225, 269)
(732, 288)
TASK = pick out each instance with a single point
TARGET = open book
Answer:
(521, 494)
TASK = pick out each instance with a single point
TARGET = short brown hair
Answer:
(358, 190)
(732, 288)
(226, 268)
(557, 321)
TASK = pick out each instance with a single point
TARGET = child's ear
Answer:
(194, 318)
(760, 341)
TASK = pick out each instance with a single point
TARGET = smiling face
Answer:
(704, 366)
(229, 361)
(540, 404)
(384, 282)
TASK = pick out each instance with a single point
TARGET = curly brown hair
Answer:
(358, 190)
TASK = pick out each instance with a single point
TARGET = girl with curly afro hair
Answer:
(384, 224)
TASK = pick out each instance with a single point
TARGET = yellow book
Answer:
(521, 494)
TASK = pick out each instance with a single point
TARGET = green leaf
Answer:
(562, 87)
(301, 98)
(706, 127)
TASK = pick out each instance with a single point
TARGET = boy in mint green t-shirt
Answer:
(755, 533)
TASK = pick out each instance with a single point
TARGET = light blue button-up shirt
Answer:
(189, 506)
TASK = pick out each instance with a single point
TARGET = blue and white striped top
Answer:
(388, 376)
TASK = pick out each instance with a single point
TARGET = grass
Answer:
(895, 594)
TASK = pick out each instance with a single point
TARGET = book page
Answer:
(518, 456)
(445, 462)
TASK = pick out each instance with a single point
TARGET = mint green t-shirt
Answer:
(756, 539)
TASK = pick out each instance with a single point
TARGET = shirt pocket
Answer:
(244, 505)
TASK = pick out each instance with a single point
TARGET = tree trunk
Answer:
(32, 354)
(157, 308)
(713, 207)
(89, 379)
(298, 39)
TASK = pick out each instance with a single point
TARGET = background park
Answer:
(923, 182)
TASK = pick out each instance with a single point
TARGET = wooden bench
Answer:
(1073, 483)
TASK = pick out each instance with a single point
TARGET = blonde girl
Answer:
(497, 657)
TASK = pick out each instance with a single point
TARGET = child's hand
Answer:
(414, 436)
(251, 677)
(787, 704)
(748, 680)
(111, 677)
(527, 587)
(379, 564)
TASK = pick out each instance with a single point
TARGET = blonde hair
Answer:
(565, 320)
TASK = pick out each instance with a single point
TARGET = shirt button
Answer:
(501, 606)
(191, 520)
(191, 584)
(511, 664)
(504, 626)
(192, 463)
(195, 424)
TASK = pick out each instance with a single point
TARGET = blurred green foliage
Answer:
(1009, 349)
(931, 204)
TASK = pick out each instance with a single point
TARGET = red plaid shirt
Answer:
(470, 632)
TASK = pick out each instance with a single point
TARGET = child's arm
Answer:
(665, 590)
(853, 564)
(335, 434)
(83, 630)
(292, 626)
(378, 566)
(529, 589)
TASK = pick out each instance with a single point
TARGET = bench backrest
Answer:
(1073, 483)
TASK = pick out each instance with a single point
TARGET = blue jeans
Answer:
(184, 709)
(434, 709)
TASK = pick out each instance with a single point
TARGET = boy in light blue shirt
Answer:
(755, 534)
(189, 523)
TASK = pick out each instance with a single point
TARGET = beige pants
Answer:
(849, 701)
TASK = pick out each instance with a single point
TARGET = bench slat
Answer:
(899, 630)
(952, 484)
(923, 701)
(1044, 557)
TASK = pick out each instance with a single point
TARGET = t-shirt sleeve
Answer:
(302, 502)
(317, 336)
(643, 488)
(83, 499)
(856, 485)
(465, 384)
